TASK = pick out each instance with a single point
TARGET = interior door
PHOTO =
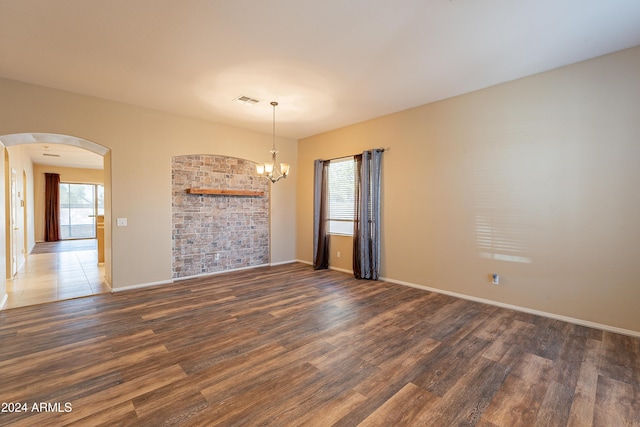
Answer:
(14, 224)
(25, 222)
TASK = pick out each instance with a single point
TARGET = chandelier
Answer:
(272, 170)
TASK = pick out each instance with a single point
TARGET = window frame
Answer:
(97, 208)
(345, 213)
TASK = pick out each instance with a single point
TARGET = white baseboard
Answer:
(214, 273)
(141, 285)
(195, 276)
(554, 316)
(342, 270)
(291, 261)
(179, 279)
(5, 298)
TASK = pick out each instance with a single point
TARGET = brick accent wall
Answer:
(217, 233)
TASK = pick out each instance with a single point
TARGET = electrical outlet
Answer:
(338, 254)
(495, 279)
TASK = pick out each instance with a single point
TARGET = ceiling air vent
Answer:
(51, 155)
(247, 100)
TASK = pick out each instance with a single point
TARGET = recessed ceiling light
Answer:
(246, 100)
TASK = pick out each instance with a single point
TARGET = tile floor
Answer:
(53, 276)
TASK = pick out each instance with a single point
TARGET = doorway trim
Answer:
(25, 216)
(7, 214)
(53, 138)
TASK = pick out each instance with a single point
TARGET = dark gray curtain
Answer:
(320, 215)
(366, 225)
(52, 207)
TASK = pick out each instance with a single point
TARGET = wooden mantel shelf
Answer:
(214, 192)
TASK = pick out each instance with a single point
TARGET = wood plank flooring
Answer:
(289, 346)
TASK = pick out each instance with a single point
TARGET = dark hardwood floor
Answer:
(289, 346)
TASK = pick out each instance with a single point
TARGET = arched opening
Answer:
(69, 268)
(214, 232)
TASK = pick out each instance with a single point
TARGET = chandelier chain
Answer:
(274, 171)
(275, 104)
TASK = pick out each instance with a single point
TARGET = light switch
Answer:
(121, 222)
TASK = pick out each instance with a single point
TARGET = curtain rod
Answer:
(353, 155)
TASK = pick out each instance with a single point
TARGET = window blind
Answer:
(341, 196)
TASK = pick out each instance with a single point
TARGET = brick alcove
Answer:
(213, 233)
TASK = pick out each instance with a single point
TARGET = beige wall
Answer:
(341, 252)
(72, 175)
(536, 180)
(141, 143)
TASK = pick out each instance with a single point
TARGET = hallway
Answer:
(57, 271)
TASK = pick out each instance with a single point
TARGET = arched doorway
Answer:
(24, 147)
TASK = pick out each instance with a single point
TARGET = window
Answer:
(79, 205)
(341, 196)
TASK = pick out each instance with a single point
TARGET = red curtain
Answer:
(52, 207)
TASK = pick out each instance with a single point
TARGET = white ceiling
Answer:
(328, 63)
(64, 155)
(58, 150)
